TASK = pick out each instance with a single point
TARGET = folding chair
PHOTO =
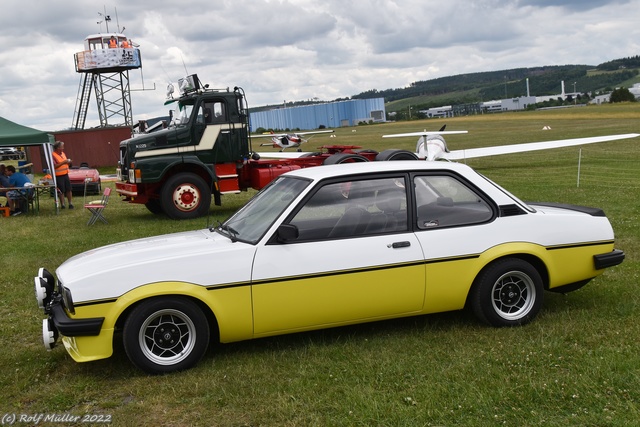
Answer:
(97, 206)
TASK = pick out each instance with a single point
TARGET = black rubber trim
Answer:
(74, 327)
(583, 209)
(611, 259)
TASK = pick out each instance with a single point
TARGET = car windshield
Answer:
(253, 220)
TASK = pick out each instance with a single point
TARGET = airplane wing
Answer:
(483, 151)
(313, 132)
(531, 146)
(425, 133)
(271, 135)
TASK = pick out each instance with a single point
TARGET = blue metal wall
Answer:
(308, 117)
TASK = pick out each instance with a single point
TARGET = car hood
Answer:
(81, 174)
(110, 271)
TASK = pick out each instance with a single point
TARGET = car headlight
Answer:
(44, 286)
(67, 299)
(49, 334)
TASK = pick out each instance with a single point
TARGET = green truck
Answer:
(205, 152)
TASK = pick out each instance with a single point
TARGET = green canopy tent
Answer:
(13, 134)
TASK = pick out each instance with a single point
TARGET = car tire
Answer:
(166, 334)
(185, 196)
(508, 292)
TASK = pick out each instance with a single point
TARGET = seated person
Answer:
(4, 180)
(16, 180)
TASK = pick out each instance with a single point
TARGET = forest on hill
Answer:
(485, 86)
(490, 85)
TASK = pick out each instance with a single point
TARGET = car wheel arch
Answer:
(206, 310)
(507, 292)
(535, 261)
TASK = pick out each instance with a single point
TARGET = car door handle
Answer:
(396, 245)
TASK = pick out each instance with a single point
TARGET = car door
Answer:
(355, 260)
(455, 224)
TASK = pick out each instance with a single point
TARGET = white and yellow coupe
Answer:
(323, 247)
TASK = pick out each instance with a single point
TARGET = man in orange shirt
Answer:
(61, 165)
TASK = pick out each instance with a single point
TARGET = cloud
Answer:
(297, 49)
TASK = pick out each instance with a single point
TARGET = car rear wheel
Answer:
(508, 292)
(166, 334)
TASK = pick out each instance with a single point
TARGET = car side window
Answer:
(353, 208)
(444, 201)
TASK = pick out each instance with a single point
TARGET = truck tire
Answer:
(185, 196)
(339, 158)
(396, 154)
(154, 206)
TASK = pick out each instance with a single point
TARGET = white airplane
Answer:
(288, 140)
(432, 146)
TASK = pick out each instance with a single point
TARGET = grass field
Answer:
(577, 364)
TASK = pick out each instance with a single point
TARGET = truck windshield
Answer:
(184, 114)
(251, 222)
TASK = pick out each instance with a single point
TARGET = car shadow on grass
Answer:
(427, 328)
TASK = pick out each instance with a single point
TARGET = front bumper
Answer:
(50, 297)
(610, 259)
(126, 189)
(72, 327)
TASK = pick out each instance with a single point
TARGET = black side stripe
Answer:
(97, 302)
(354, 271)
(338, 273)
(580, 245)
(363, 270)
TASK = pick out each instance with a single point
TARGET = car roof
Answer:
(329, 171)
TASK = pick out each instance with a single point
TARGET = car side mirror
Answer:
(287, 233)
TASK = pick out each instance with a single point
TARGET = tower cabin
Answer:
(108, 52)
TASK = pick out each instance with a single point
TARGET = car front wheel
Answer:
(166, 334)
(507, 293)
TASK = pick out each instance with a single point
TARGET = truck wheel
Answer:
(508, 292)
(166, 334)
(154, 206)
(185, 196)
(344, 158)
(396, 154)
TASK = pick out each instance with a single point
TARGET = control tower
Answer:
(105, 63)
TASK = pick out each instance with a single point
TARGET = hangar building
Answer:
(330, 115)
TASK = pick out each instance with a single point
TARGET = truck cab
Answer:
(176, 170)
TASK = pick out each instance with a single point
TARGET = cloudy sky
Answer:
(291, 50)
